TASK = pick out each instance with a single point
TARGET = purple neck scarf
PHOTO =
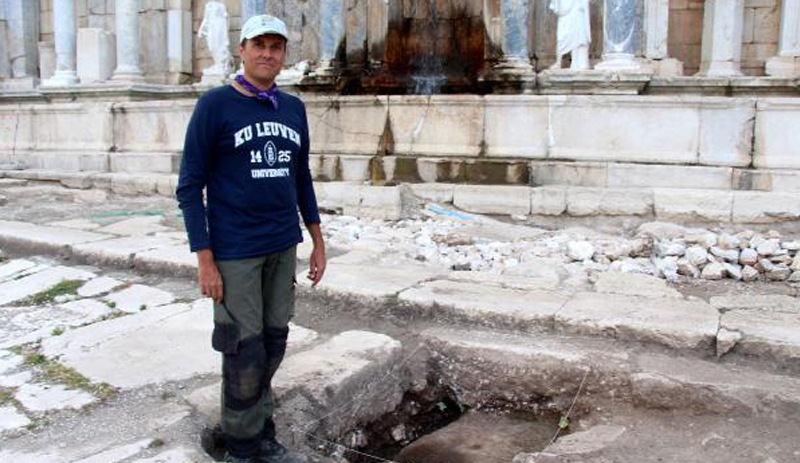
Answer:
(270, 95)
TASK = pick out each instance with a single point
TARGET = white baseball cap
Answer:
(263, 24)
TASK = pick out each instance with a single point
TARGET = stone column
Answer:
(515, 35)
(252, 8)
(179, 44)
(65, 32)
(4, 65)
(127, 22)
(377, 31)
(787, 62)
(656, 29)
(723, 24)
(22, 29)
(331, 34)
(622, 36)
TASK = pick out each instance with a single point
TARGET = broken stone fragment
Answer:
(791, 245)
(704, 239)
(769, 247)
(686, 268)
(697, 256)
(794, 277)
(669, 248)
(781, 260)
(779, 273)
(734, 271)
(796, 263)
(729, 242)
(730, 255)
(748, 257)
(749, 273)
(667, 267)
(713, 271)
(580, 250)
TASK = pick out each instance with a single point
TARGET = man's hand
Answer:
(208, 275)
(316, 261)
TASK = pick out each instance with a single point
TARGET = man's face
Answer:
(263, 57)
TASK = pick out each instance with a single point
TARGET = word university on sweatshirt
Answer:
(271, 154)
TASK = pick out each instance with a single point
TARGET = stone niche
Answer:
(432, 46)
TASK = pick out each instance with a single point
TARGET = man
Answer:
(247, 144)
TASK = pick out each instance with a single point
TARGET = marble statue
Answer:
(214, 29)
(573, 32)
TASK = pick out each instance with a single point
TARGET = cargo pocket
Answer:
(225, 338)
(227, 334)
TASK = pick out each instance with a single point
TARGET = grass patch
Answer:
(155, 443)
(7, 396)
(51, 371)
(16, 350)
(57, 331)
(47, 296)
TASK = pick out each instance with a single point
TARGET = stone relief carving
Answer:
(573, 32)
(214, 29)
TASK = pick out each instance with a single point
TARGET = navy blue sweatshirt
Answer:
(252, 159)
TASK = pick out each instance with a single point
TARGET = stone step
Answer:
(351, 377)
(529, 371)
(693, 202)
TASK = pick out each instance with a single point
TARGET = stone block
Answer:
(347, 279)
(140, 162)
(726, 131)
(686, 325)
(708, 205)
(765, 334)
(631, 284)
(763, 207)
(355, 168)
(588, 174)
(665, 176)
(152, 126)
(434, 192)
(749, 27)
(96, 55)
(30, 237)
(324, 167)
(516, 126)
(486, 303)
(73, 127)
(347, 125)
(118, 252)
(376, 202)
(609, 201)
(622, 128)
(777, 141)
(507, 200)
(548, 201)
(437, 125)
(766, 24)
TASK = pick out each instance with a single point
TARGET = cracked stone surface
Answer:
(40, 397)
(132, 299)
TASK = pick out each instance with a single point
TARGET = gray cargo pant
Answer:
(250, 330)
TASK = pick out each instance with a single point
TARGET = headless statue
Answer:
(214, 29)
(574, 32)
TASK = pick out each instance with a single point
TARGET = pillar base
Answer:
(783, 66)
(62, 79)
(720, 69)
(619, 62)
(128, 75)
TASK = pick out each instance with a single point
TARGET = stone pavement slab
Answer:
(14, 267)
(177, 455)
(16, 379)
(118, 251)
(136, 226)
(10, 418)
(770, 302)
(163, 344)
(133, 298)
(14, 290)
(480, 303)
(97, 286)
(41, 397)
(79, 224)
(547, 282)
(632, 284)
(90, 309)
(9, 361)
(170, 260)
(765, 334)
(117, 454)
(370, 281)
(671, 322)
(30, 237)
